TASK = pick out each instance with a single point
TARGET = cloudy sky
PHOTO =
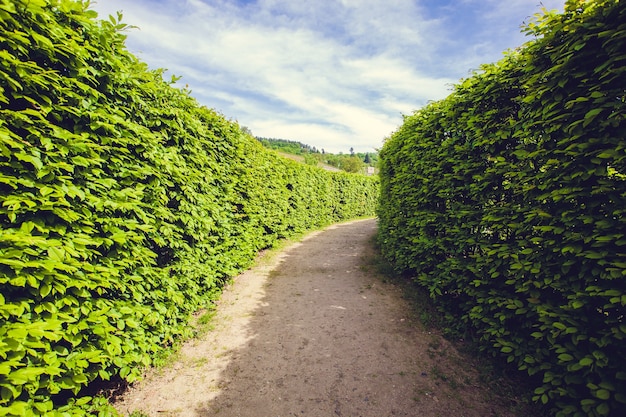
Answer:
(334, 74)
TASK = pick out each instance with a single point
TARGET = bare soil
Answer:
(315, 331)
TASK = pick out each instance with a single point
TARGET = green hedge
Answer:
(124, 206)
(507, 201)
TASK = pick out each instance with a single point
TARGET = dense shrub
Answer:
(507, 201)
(124, 206)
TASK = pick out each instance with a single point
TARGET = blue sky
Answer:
(334, 74)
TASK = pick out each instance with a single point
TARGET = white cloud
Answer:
(334, 74)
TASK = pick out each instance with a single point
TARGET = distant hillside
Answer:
(288, 146)
(350, 162)
(300, 158)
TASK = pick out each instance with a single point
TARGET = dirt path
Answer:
(314, 332)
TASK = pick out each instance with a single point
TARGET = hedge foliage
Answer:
(124, 206)
(507, 201)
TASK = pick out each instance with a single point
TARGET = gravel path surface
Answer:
(314, 331)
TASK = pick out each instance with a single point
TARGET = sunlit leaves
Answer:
(124, 206)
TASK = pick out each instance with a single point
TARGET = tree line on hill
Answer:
(349, 162)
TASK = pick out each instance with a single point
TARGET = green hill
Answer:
(350, 162)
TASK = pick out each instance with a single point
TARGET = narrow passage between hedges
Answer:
(315, 331)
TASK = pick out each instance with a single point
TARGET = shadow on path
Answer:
(331, 339)
(314, 331)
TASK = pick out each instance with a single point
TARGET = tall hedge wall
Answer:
(124, 206)
(507, 201)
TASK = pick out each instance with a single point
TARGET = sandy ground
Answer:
(314, 331)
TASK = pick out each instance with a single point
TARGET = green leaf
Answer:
(591, 115)
(44, 290)
(56, 254)
(18, 408)
(35, 161)
(45, 190)
(603, 409)
(24, 375)
(603, 394)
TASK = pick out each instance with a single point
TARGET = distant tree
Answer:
(246, 130)
(370, 158)
(351, 151)
(352, 164)
(310, 159)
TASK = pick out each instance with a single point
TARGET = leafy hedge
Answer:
(507, 201)
(124, 206)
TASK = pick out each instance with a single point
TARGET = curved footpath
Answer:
(315, 332)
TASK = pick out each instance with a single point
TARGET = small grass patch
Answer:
(138, 414)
